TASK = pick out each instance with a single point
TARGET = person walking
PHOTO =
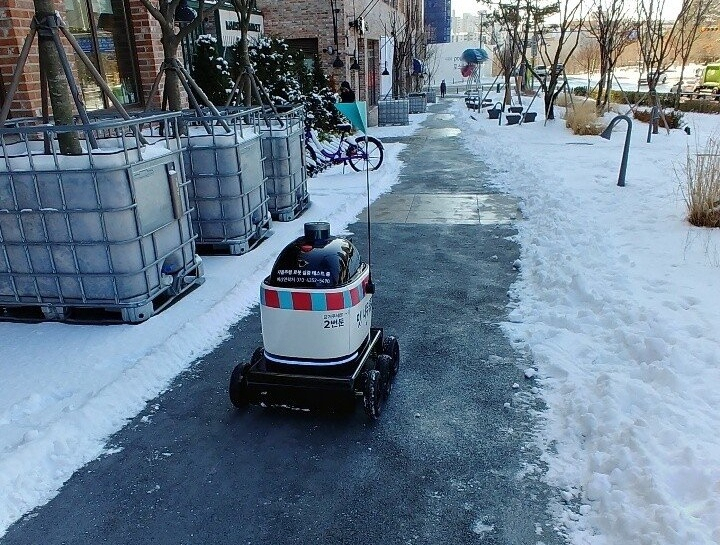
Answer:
(346, 94)
(443, 88)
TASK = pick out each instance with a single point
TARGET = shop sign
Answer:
(230, 27)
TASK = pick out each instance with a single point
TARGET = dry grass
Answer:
(561, 100)
(673, 118)
(583, 119)
(702, 185)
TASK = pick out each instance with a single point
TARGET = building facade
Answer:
(438, 21)
(123, 42)
(352, 38)
(119, 36)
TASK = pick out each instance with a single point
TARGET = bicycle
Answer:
(363, 150)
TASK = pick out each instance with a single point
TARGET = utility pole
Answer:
(480, 13)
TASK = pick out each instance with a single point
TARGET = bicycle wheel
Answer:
(370, 151)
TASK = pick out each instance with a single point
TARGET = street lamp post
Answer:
(626, 149)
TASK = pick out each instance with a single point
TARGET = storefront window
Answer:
(100, 27)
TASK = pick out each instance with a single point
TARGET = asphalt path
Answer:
(448, 462)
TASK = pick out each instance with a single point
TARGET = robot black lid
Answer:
(317, 230)
(305, 263)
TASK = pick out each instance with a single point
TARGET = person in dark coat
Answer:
(346, 94)
(443, 88)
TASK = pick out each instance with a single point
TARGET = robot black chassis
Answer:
(369, 376)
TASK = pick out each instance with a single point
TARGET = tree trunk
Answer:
(600, 104)
(244, 64)
(680, 83)
(549, 106)
(508, 90)
(654, 100)
(551, 94)
(172, 80)
(608, 92)
(60, 99)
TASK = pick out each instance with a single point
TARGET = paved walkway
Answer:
(447, 463)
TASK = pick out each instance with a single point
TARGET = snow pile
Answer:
(66, 388)
(619, 303)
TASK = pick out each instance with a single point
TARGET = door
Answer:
(101, 29)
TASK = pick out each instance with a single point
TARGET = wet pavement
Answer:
(449, 462)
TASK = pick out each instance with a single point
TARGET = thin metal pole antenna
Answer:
(370, 285)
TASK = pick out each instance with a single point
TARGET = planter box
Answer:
(417, 103)
(393, 112)
(227, 183)
(109, 229)
(283, 147)
(431, 96)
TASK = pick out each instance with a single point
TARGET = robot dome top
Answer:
(316, 260)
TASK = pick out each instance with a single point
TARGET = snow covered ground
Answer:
(628, 78)
(619, 303)
(66, 388)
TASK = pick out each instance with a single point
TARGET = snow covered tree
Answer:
(288, 81)
(321, 112)
(210, 71)
(320, 101)
(609, 23)
(278, 69)
(319, 79)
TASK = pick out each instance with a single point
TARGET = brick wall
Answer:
(148, 48)
(313, 18)
(13, 32)
(307, 19)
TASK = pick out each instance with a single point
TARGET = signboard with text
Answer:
(229, 27)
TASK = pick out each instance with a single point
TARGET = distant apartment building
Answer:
(438, 21)
(470, 27)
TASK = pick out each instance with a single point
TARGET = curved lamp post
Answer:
(501, 108)
(606, 135)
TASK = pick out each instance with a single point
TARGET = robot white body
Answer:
(315, 326)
